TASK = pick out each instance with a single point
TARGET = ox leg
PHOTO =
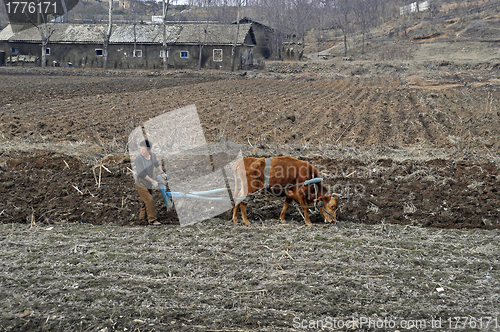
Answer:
(306, 216)
(243, 208)
(235, 213)
(299, 198)
(305, 207)
(288, 201)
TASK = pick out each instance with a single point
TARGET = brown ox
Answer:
(285, 177)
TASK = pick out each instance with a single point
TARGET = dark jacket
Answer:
(144, 168)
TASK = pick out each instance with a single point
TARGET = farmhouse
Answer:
(132, 46)
(266, 41)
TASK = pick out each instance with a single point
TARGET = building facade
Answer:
(131, 46)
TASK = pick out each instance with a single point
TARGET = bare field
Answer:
(353, 111)
(418, 239)
(266, 277)
(432, 155)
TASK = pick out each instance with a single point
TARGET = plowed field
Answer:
(409, 161)
(430, 156)
(354, 111)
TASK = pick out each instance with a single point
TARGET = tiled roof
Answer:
(84, 33)
(216, 34)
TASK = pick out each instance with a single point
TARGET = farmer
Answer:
(145, 164)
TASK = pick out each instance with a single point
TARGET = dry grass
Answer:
(216, 276)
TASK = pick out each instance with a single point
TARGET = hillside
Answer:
(461, 33)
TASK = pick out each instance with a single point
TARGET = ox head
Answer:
(328, 206)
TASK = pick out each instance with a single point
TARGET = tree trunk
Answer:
(363, 42)
(345, 45)
(303, 44)
(296, 48)
(108, 36)
(199, 56)
(205, 31)
(165, 45)
(233, 51)
(105, 53)
(135, 40)
(44, 49)
(45, 40)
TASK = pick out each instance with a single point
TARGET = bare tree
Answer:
(166, 3)
(133, 19)
(276, 15)
(107, 36)
(205, 33)
(365, 13)
(342, 19)
(301, 13)
(233, 51)
(46, 32)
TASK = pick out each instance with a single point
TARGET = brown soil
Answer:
(440, 193)
(409, 137)
(56, 128)
(354, 111)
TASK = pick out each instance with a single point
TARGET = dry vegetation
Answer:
(218, 277)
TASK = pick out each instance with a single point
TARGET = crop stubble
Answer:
(216, 276)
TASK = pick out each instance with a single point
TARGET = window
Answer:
(47, 51)
(138, 53)
(217, 55)
(162, 53)
(98, 52)
(15, 50)
(184, 54)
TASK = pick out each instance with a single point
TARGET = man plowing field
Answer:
(145, 164)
